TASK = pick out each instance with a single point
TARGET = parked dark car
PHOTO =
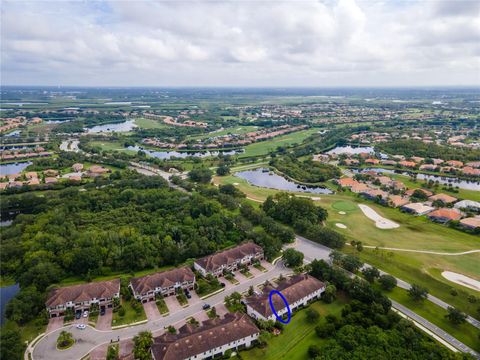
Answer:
(78, 314)
(102, 310)
(222, 284)
(206, 306)
(187, 294)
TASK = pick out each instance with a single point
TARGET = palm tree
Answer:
(65, 339)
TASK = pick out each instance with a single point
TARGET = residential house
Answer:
(298, 290)
(229, 260)
(347, 182)
(397, 200)
(51, 180)
(411, 191)
(471, 222)
(359, 188)
(417, 159)
(374, 194)
(444, 215)
(372, 161)
(210, 340)
(50, 172)
(96, 170)
(446, 199)
(474, 164)
(409, 164)
(468, 170)
(428, 167)
(397, 185)
(166, 283)
(468, 205)
(81, 297)
(455, 163)
(389, 162)
(77, 167)
(417, 208)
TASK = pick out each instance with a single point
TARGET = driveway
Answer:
(99, 353)
(125, 350)
(104, 322)
(151, 310)
(240, 277)
(195, 298)
(55, 323)
(173, 304)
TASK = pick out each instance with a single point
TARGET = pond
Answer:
(462, 184)
(265, 178)
(119, 127)
(13, 168)
(6, 294)
(183, 154)
(13, 133)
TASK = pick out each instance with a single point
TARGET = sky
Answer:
(240, 43)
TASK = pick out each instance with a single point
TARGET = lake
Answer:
(13, 133)
(183, 154)
(13, 168)
(119, 127)
(6, 294)
(462, 184)
(267, 179)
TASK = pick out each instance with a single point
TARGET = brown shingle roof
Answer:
(293, 289)
(165, 279)
(212, 262)
(83, 292)
(212, 334)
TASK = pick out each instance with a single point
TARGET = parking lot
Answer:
(104, 322)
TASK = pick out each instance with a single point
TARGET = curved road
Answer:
(90, 338)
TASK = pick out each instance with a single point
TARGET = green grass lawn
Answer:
(130, 316)
(149, 124)
(264, 147)
(182, 299)
(236, 130)
(162, 306)
(465, 333)
(297, 336)
(111, 145)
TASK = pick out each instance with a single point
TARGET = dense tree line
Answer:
(410, 148)
(368, 328)
(305, 171)
(88, 120)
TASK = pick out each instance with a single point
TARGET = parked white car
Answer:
(81, 326)
(85, 313)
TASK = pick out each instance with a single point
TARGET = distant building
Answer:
(298, 290)
(166, 283)
(397, 200)
(210, 340)
(471, 222)
(444, 215)
(417, 208)
(229, 260)
(447, 199)
(81, 297)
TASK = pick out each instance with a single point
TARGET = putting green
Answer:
(344, 206)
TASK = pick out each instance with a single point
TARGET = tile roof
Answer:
(443, 197)
(472, 222)
(191, 341)
(165, 279)
(83, 292)
(229, 256)
(446, 213)
(293, 289)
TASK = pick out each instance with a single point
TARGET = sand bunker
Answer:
(342, 212)
(341, 226)
(236, 184)
(380, 222)
(462, 280)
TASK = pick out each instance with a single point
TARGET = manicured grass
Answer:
(236, 130)
(297, 336)
(131, 315)
(149, 124)
(111, 145)
(247, 274)
(182, 299)
(259, 267)
(465, 333)
(264, 147)
(344, 206)
(231, 279)
(162, 306)
(204, 287)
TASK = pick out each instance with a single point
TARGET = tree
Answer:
(141, 345)
(292, 257)
(351, 263)
(113, 352)
(171, 329)
(325, 330)
(201, 175)
(312, 315)
(417, 292)
(11, 346)
(455, 316)
(223, 170)
(370, 274)
(251, 291)
(329, 294)
(262, 339)
(64, 340)
(387, 282)
(314, 351)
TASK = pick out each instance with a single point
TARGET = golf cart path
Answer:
(423, 251)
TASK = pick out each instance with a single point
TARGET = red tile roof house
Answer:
(374, 194)
(229, 260)
(212, 339)
(80, 297)
(446, 199)
(471, 223)
(455, 163)
(347, 182)
(409, 164)
(298, 290)
(444, 215)
(397, 200)
(166, 283)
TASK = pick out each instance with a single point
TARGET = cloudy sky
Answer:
(240, 43)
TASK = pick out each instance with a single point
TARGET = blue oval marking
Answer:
(273, 308)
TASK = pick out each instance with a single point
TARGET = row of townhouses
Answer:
(213, 337)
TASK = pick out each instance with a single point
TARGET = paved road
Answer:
(90, 338)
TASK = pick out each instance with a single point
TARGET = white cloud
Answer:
(311, 43)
